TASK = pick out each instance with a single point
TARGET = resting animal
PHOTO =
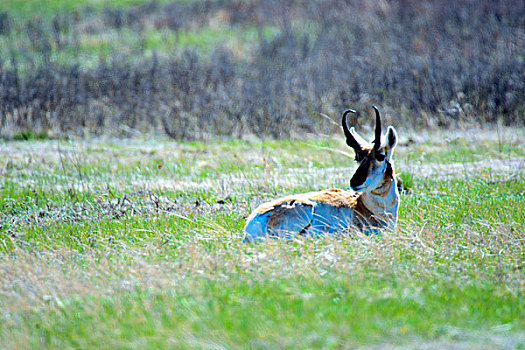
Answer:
(371, 203)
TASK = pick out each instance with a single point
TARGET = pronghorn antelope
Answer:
(371, 204)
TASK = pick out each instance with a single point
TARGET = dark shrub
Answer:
(427, 63)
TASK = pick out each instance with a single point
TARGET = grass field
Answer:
(137, 243)
(91, 40)
(38, 8)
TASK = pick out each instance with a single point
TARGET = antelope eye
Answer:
(380, 157)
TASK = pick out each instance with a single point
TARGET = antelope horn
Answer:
(350, 139)
(377, 141)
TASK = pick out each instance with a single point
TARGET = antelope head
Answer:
(374, 158)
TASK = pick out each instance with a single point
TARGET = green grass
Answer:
(222, 313)
(133, 244)
(76, 45)
(464, 150)
(33, 8)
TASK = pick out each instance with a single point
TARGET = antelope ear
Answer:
(391, 142)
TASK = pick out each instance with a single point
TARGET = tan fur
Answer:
(334, 197)
(363, 216)
(383, 190)
(269, 206)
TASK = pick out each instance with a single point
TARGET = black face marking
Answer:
(360, 174)
(368, 159)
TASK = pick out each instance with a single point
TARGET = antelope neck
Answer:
(386, 185)
(384, 197)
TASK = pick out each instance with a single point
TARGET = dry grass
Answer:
(100, 249)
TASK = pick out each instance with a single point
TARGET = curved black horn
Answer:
(377, 141)
(350, 139)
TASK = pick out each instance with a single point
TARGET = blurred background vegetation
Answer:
(269, 68)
